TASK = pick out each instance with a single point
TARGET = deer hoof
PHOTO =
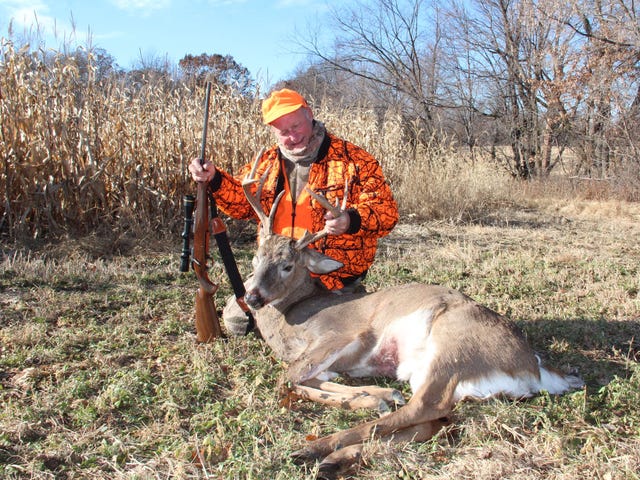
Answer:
(306, 455)
(398, 398)
(383, 408)
(328, 471)
(340, 462)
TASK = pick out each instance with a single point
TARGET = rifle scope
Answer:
(189, 204)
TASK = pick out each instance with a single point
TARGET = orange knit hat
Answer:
(280, 103)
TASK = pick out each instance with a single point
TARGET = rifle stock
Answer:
(207, 323)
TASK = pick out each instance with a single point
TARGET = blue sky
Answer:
(257, 33)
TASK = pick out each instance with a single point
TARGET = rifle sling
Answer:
(219, 231)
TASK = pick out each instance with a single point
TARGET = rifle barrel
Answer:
(203, 145)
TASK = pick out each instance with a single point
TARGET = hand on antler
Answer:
(337, 225)
(337, 220)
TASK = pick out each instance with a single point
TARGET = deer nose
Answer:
(254, 299)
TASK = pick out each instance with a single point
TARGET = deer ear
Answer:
(318, 263)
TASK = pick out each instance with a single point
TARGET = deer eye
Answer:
(287, 268)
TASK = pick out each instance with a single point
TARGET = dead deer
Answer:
(446, 345)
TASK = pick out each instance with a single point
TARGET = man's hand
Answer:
(339, 225)
(201, 173)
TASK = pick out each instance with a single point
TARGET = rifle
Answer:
(207, 323)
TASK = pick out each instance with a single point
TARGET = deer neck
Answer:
(309, 288)
(285, 339)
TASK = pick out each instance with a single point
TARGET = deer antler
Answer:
(335, 210)
(266, 222)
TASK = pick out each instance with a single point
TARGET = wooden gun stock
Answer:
(207, 323)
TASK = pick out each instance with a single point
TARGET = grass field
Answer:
(100, 375)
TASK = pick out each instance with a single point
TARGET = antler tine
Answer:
(346, 195)
(254, 200)
(254, 167)
(336, 211)
(322, 200)
(274, 207)
(309, 238)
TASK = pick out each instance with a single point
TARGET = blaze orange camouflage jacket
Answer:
(372, 209)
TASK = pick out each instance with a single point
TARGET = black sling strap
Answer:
(219, 230)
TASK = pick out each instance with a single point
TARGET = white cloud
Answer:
(33, 22)
(144, 7)
(34, 16)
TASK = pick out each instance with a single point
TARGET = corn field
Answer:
(80, 154)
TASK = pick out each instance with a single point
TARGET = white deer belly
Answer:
(402, 350)
(497, 383)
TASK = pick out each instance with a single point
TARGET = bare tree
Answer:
(610, 83)
(528, 78)
(510, 62)
(551, 77)
(488, 70)
(394, 45)
(220, 69)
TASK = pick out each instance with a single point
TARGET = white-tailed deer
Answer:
(447, 346)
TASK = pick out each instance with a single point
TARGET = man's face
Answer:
(293, 130)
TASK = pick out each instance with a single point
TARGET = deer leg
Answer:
(389, 395)
(348, 401)
(345, 396)
(419, 433)
(345, 459)
(433, 401)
